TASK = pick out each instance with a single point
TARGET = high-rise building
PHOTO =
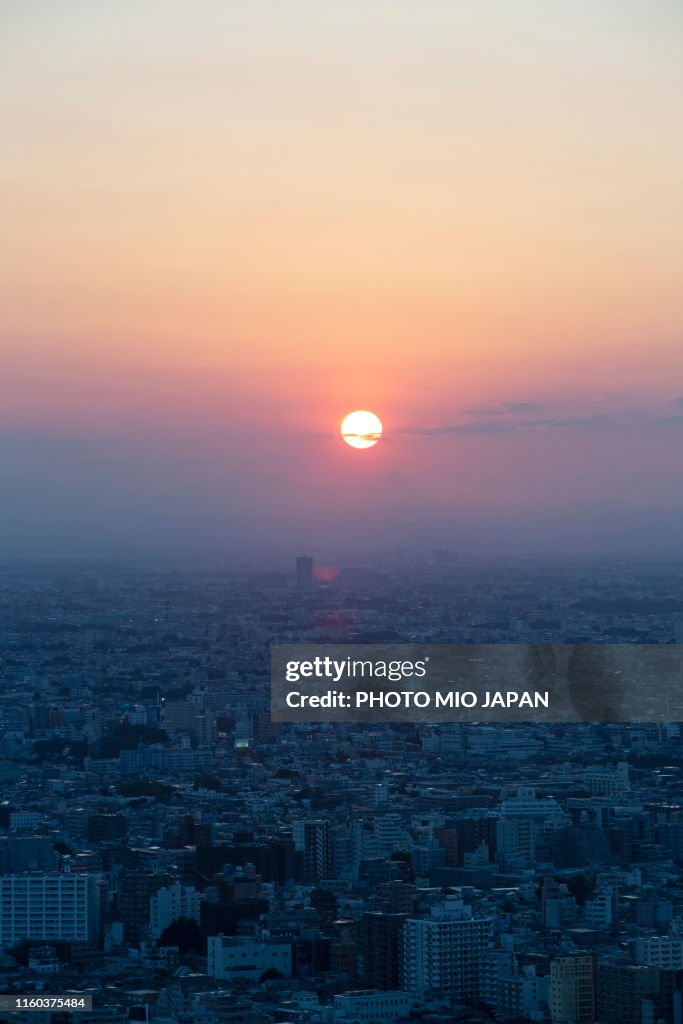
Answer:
(381, 944)
(52, 907)
(621, 990)
(524, 817)
(443, 951)
(312, 839)
(136, 888)
(572, 989)
(304, 572)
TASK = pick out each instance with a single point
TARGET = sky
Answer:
(227, 225)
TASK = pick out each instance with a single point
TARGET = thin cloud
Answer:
(484, 412)
(503, 408)
(678, 401)
(462, 429)
(554, 421)
(497, 427)
(521, 406)
(672, 419)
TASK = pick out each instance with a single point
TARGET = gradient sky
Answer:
(227, 224)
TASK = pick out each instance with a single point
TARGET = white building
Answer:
(513, 990)
(600, 909)
(170, 903)
(601, 781)
(663, 951)
(54, 907)
(232, 957)
(572, 989)
(443, 951)
(523, 818)
(387, 837)
(368, 1006)
(526, 804)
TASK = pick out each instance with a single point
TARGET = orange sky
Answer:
(243, 220)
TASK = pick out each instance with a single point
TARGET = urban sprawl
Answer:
(171, 852)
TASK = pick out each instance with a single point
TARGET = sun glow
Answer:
(361, 429)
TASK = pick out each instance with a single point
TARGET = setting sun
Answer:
(361, 429)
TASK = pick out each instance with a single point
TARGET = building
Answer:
(158, 958)
(524, 817)
(77, 822)
(388, 836)
(24, 820)
(443, 951)
(513, 989)
(380, 945)
(572, 989)
(136, 889)
(181, 716)
(600, 910)
(304, 572)
(170, 903)
(367, 1007)
(559, 906)
(223, 1007)
(106, 827)
(51, 907)
(607, 781)
(27, 853)
(43, 960)
(621, 990)
(312, 839)
(665, 951)
(233, 957)
(516, 840)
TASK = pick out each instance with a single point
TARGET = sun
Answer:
(361, 429)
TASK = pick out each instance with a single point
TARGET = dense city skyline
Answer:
(171, 852)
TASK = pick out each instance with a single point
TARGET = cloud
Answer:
(463, 429)
(678, 401)
(497, 427)
(504, 407)
(672, 419)
(23, 441)
(520, 406)
(494, 411)
(554, 421)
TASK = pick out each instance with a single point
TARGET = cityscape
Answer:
(341, 512)
(169, 851)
